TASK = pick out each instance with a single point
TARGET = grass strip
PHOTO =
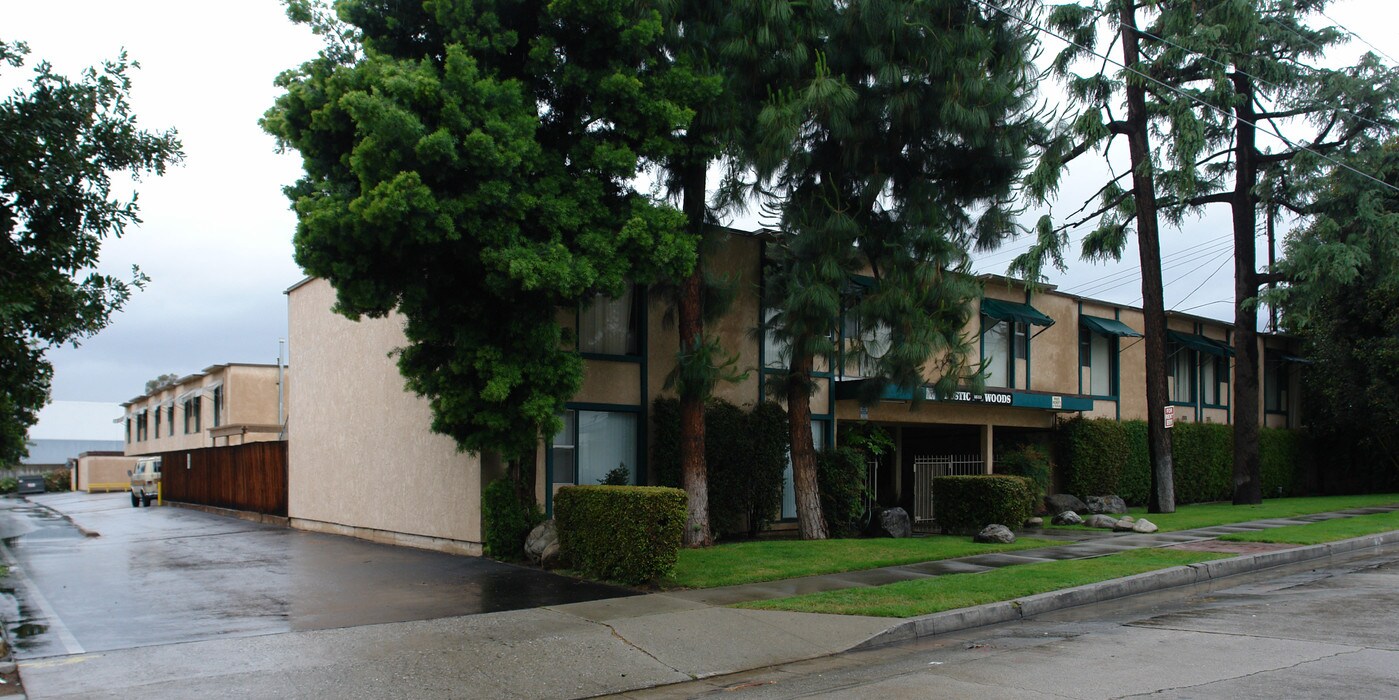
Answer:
(1211, 514)
(773, 560)
(939, 593)
(1324, 531)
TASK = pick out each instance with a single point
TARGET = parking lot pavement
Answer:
(154, 576)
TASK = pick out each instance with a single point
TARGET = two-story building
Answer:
(364, 462)
(228, 404)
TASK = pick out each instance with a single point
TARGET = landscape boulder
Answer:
(1034, 522)
(1067, 517)
(540, 538)
(1144, 526)
(1106, 504)
(894, 522)
(1124, 524)
(551, 557)
(1060, 502)
(1100, 520)
(995, 534)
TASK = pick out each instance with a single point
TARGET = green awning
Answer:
(1011, 311)
(1200, 343)
(1108, 326)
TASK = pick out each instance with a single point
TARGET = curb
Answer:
(86, 532)
(1177, 576)
(265, 519)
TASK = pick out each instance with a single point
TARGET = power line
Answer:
(1172, 256)
(1136, 273)
(1182, 93)
(1222, 263)
(1357, 36)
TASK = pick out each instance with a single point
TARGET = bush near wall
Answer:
(965, 504)
(629, 534)
(1101, 456)
(506, 521)
(745, 455)
(840, 478)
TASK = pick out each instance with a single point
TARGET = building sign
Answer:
(1056, 402)
(864, 413)
(995, 397)
(1170, 416)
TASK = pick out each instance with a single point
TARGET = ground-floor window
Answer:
(593, 443)
(789, 491)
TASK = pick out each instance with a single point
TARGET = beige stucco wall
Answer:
(362, 459)
(105, 472)
(250, 393)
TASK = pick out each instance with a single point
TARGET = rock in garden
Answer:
(995, 534)
(1060, 502)
(1124, 524)
(1034, 522)
(1100, 520)
(1144, 526)
(1067, 517)
(551, 557)
(894, 522)
(1106, 504)
(543, 535)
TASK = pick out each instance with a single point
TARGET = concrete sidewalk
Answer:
(605, 646)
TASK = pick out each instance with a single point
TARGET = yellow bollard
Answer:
(159, 489)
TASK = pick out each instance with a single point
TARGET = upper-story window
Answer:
(863, 344)
(1099, 343)
(1214, 381)
(1005, 341)
(128, 430)
(192, 410)
(157, 424)
(611, 325)
(1180, 372)
(1196, 361)
(1275, 382)
(217, 407)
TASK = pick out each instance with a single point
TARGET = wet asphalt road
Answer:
(168, 575)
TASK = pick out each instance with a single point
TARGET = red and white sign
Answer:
(1170, 416)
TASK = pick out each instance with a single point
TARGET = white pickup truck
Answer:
(145, 480)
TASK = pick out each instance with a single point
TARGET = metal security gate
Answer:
(928, 466)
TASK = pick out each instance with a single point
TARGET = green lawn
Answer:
(1324, 531)
(1210, 514)
(930, 595)
(750, 562)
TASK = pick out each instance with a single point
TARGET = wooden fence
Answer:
(251, 477)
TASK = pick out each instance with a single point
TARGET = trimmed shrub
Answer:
(9, 484)
(1203, 457)
(745, 455)
(58, 480)
(1031, 462)
(629, 534)
(1094, 455)
(506, 521)
(965, 504)
(840, 477)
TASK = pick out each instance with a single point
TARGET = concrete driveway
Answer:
(155, 576)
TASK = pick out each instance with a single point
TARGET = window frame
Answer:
(1192, 362)
(1017, 333)
(1277, 382)
(636, 327)
(1085, 360)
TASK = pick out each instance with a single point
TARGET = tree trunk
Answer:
(694, 475)
(523, 474)
(1248, 486)
(809, 521)
(1162, 498)
(693, 472)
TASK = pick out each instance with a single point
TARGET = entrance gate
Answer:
(928, 466)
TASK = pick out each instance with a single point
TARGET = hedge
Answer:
(629, 534)
(840, 479)
(506, 521)
(1102, 456)
(745, 456)
(968, 503)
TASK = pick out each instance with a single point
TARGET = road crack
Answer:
(1303, 662)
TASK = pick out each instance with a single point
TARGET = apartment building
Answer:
(227, 404)
(365, 463)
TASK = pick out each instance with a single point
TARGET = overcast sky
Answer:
(216, 238)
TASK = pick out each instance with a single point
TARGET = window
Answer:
(1275, 383)
(128, 431)
(170, 416)
(157, 424)
(864, 347)
(192, 406)
(142, 426)
(1180, 371)
(1097, 353)
(593, 443)
(1214, 381)
(775, 351)
(611, 326)
(214, 420)
(996, 349)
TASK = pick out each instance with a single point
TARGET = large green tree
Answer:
(891, 147)
(470, 165)
(1342, 297)
(61, 142)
